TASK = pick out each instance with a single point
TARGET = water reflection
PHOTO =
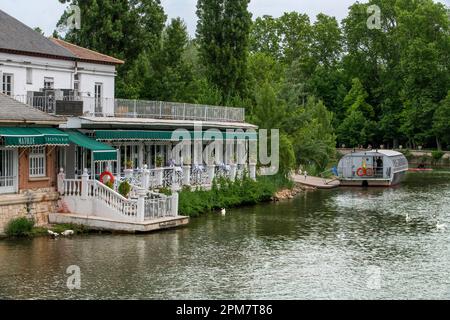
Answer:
(317, 246)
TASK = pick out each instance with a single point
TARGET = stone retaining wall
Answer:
(37, 204)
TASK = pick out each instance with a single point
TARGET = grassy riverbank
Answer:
(227, 194)
(25, 228)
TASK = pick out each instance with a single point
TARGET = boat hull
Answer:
(396, 179)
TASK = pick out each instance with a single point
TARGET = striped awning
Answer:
(19, 137)
(133, 135)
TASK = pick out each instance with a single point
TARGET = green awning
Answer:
(132, 135)
(101, 151)
(15, 137)
(115, 135)
(54, 136)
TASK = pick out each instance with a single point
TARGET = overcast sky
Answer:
(45, 13)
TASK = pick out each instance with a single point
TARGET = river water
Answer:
(340, 244)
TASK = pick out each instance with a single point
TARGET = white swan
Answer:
(440, 226)
(407, 217)
(223, 211)
(68, 233)
(53, 234)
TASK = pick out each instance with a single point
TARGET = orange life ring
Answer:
(361, 172)
(104, 174)
(369, 172)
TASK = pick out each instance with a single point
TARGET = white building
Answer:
(40, 71)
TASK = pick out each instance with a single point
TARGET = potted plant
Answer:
(124, 189)
(159, 161)
(129, 164)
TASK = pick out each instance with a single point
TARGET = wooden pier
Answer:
(316, 182)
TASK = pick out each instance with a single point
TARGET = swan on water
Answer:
(440, 226)
(223, 211)
(407, 217)
(68, 233)
(53, 234)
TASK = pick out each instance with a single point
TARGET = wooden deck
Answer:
(316, 182)
(99, 223)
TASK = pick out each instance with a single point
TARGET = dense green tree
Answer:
(269, 111)
(315, 140)
(358, 127)
(223, 37)
(356, 130)
(265, 37)
(172, 78)
(326, 48)
(127, 29)
(424, 31)
(355, 100)
(441, 122)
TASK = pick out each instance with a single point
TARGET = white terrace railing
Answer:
(124, 108)
(176, 177)
(95, 198)
(176, 111)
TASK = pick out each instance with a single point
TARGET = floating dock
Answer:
(316, 182)
(100, 223)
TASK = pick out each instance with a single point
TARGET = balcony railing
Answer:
(176, 111)
(122, 108)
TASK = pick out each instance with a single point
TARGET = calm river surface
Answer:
(339, 244)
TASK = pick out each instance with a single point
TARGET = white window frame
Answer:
(29, 72)
(37, 162)
(4, 83)
(9, 183)
(50, 80)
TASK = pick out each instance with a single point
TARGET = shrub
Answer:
(165, 191)
(124, 189)
(408, 155)
(225, 194)
(19, 227)
(437, 155)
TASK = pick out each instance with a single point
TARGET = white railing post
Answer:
(140, 216)
(60, 183)
(128, 173)
(174, 200)
(84, 184)
(186, 175)
(159, 176)
(233, 168)
(211, 173)
(252, 171)
(145, 178)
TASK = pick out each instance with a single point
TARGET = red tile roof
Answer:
(86, 54)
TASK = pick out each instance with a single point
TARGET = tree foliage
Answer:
(223, 39)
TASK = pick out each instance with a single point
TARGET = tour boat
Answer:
(372, 168)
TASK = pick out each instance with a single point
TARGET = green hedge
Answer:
(226, 194)
(20, 227)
